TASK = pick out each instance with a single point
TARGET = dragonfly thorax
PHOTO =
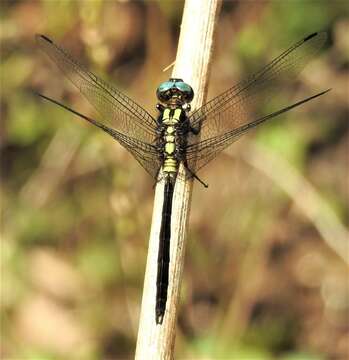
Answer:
(169, 123)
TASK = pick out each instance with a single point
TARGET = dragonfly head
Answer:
(175, 92)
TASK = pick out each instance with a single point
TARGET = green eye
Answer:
(168, 89)
(165, 86)
(186, 90)
(182, 86)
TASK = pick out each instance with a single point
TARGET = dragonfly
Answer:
(177, 135)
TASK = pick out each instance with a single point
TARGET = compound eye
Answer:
(166, 90)
(163, 91)
(164, 96)
(186, 90)
(165, 86)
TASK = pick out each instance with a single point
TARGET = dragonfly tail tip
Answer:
(41, 36)
(159, 318)
(310, 36)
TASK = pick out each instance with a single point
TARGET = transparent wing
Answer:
(146, 154)
(116, 110)
(225, 118)
(209, 148)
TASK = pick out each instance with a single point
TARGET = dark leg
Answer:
(193, 175)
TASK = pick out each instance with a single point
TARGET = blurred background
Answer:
(266, 271)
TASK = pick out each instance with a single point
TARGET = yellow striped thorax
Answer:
(167, 119)
(170, 118)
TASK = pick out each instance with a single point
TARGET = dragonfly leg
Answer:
(193, 175)
(197, 178)
(180, 153)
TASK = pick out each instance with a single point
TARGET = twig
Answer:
(192, 65)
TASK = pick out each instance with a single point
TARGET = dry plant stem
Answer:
(192, 65)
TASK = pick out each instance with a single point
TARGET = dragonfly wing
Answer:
(229, 113)
(116, 110)
(146, 154)
(200, 153)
